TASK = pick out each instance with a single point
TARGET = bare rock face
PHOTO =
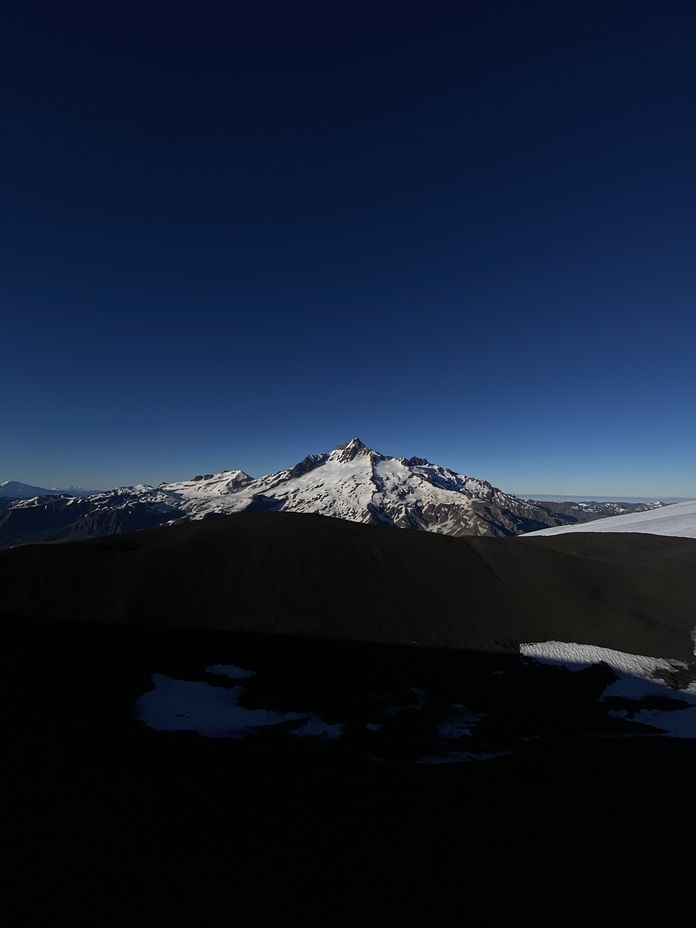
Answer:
(307, 464)
(343, 454)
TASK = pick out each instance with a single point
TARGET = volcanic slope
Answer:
(352, 482)
(315, 576)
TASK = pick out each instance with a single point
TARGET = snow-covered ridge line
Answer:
(356, 483)
(578, 656)
(351, 482)
(676, 519)
(640, 694)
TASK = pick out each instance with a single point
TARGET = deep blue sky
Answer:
(236, 233)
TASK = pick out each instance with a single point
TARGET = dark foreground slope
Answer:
(107, 823)
(311, 575)
(558, 810)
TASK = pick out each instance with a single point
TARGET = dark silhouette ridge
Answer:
(311, 575)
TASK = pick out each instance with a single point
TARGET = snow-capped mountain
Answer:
(356, 483)
(13, 489)
(351, 482)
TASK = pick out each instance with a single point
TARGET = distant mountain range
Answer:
(352, 482)
(677, 520)
(579, 498)
(13, 489)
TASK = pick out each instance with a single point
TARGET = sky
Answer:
(234, 234)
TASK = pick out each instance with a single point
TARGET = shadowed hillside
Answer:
(117, 825)
(463, 781)
(310, 575)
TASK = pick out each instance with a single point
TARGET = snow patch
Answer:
(677, 723)
(229, 670)
(214, 711)
(458, 722)
(580, 656)
(459, 757)
(316, 727)
(639, 678)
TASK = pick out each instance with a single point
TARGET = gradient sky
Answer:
(234, 234)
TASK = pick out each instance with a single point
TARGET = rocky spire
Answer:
(351, 450)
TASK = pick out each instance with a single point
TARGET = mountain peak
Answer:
(351, 482)
(351, 450)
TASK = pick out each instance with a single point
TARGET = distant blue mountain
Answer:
(569, 497)
(13, 489)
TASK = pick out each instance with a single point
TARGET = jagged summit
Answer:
(353, 449)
